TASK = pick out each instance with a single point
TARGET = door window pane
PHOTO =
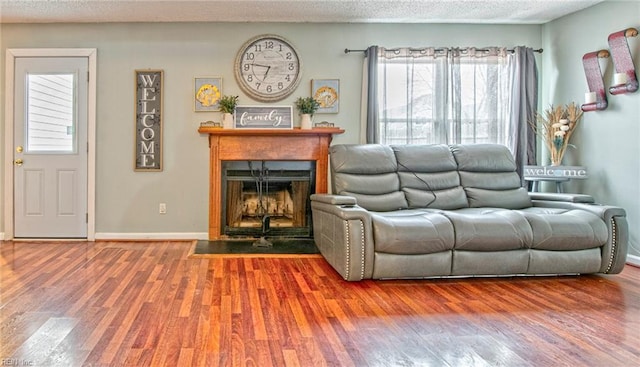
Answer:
(50, 113)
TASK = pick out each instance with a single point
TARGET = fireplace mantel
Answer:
(263, 144)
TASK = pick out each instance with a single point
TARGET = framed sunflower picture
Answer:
(327, 93)
(206, 93)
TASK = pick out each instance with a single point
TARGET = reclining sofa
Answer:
(422, 211)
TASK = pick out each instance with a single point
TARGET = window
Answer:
(443, 98)
(50, 113)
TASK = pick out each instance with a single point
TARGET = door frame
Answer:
(11, 55)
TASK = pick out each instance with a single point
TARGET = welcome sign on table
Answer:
(555, 172)
(263, 117)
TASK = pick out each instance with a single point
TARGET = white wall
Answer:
(127, 201)
(608, 141)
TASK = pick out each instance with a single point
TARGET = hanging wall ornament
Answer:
(625, 78)
(596, 98)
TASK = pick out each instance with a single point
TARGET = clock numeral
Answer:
(257, 48)
(288, 56)
(268, 44)
(287, 78)
(291, 66)
(269, 88)
(246, 67)
(258, 84)
(280, 85)
(250, 56)
(249, 78)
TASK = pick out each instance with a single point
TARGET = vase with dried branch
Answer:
(555, 127)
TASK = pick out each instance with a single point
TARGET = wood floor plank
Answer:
(149, 304)
(41, 345)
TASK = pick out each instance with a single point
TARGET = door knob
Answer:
(18, 162)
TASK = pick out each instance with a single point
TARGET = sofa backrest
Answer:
(385, 178)
(429, 176)
(488, 176)
(369, 173)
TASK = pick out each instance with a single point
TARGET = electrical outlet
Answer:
(163, 208)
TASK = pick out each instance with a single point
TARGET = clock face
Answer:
(267, 68)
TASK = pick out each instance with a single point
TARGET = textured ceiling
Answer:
(327, 11)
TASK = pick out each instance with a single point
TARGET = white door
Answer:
(50, 147)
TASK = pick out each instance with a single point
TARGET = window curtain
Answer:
(370, 93)
(524, 102)
(478, 106)
(452, 96)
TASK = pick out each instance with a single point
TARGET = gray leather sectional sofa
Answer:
(419, 211)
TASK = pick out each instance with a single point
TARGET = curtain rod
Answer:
(346, 50)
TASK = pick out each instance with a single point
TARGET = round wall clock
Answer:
(268, 68)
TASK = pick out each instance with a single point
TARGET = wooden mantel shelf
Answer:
(263, 144)
(270, 132)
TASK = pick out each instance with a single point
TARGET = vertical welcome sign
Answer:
(148, 153)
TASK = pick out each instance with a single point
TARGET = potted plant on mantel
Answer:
(227, 106)
(306, 106)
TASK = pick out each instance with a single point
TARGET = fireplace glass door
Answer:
(267, 198)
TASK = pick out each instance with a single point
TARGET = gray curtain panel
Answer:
(373, 137)
(524, 108)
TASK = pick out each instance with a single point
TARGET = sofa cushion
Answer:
(483, 158)
(414, 233)
(565, 262)
(425, 158)
(490, 229)
(369, 173)
(488, 176)
(506, 199)
(490, 262)
(411, 265)
(453, 198)
(562, 229)
(367, 159)
(429, 177)
(394, 200)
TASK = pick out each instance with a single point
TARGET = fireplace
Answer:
(257, 145)
(267, 198)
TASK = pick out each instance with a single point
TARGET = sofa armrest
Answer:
(343, 233)
(334, 199)
(572, 198)
(603, 211)
(614, 252)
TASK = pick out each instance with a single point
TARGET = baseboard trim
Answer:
(152, 236)
(633, 260)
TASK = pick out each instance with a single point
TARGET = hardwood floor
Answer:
(148, 304)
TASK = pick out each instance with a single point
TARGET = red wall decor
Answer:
(625, 80)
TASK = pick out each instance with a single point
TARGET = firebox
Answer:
(267, 198)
